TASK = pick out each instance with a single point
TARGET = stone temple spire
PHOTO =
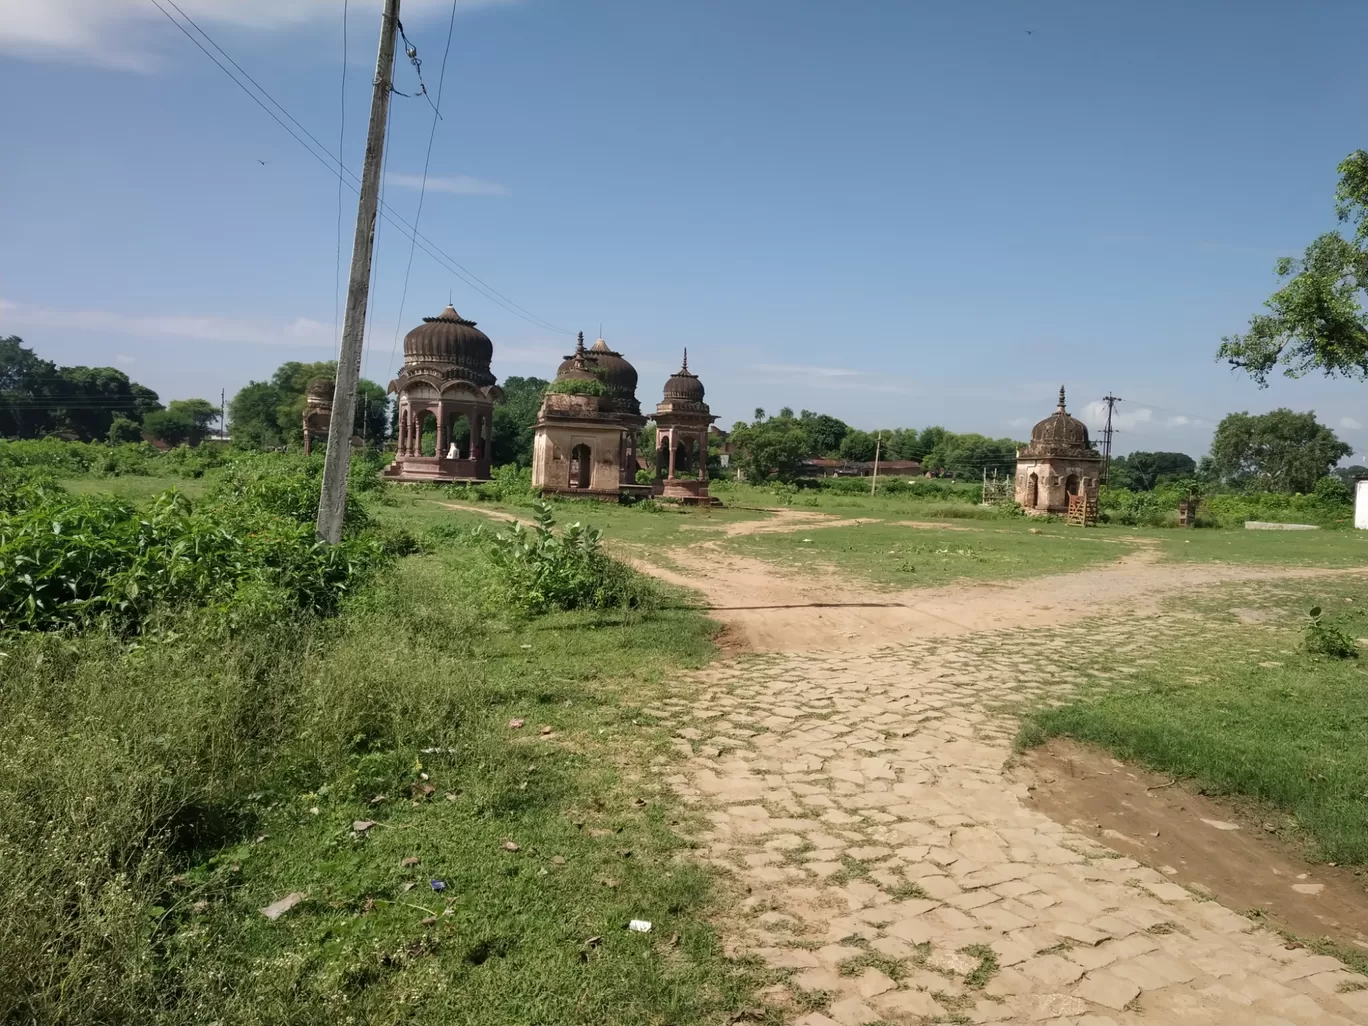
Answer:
(1061, 399)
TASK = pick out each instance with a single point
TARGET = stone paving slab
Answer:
(897, 876)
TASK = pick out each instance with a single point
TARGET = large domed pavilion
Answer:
(682, 421)
(1058, 463)
(446, 401)
(587, 426)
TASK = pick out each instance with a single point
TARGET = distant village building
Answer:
(823, 467)
(446, 402)
(587, 426)
(683, 422)
(318, 402)
(1059, 462)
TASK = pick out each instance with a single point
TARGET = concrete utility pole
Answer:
(333, 501)
(1107, 432)
(878, 444)
(223, 433)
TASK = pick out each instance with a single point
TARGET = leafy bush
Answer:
(76, 561)
(509, 484)
(1327, 637)
(545, 570)
(1329, 505)
(577, 386)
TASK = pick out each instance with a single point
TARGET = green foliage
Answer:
(1277, 451)
(577, 386)
(122, 430)
(269, 414)
(183, 422)
(515, 417)
(546, 570)
(1317, 320)
(1326, 636)
(154, 797)
(1325, 507)
(774, 447)
(969, 455)
(858, 446)
(510, 484)
(1142, 471)
(248, 554)
(38, 398)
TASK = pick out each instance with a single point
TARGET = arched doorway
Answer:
(1071, 484)
(427, 434)
(683, 458)
(581, 466)
(458, 434)
(1032, 491)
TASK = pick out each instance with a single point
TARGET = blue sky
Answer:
(901, 214)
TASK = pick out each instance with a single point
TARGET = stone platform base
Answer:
(437, 469)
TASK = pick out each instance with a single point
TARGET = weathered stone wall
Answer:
(1052, 475)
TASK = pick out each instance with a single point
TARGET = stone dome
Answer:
(453, 344)
(1059, 433)
(602, 364)
(321, 389)
(683, 385)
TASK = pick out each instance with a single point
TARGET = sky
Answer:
(899, 214)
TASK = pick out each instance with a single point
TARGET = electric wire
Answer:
(422, 190)
(336, 166)
(341, 148)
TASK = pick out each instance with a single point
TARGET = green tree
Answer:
(122, 430)
(269, 414)
(515, 419)
(765, 448)
(969, 455)
(1141, 471)
(824, 433)
(1317, 320)
(1278, 451)
(37, 397)
(183, 422)
(1349, 475)
(858, 445)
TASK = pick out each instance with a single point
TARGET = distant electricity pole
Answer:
(878, 444)
(1107, 433)
(223, 429)
(332, 502)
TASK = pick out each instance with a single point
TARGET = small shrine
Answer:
(446, 402)
(587, 427)
(1059, 470)
(682, 423)
(318, 402)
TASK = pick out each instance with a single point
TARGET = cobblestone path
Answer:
(899, 875)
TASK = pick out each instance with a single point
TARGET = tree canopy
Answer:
(1316, 321)
(1141, 471)
(1277, 451)
(773, 446)
(183, 422)
(38, 398)
(269, 414)
(515, 417)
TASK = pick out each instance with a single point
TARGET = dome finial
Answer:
(579, 345)
(685, 367)
(1061, 399)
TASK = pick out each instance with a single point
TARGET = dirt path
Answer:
(768, 611)
(895, 871)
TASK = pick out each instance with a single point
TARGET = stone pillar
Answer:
(672, 456)
(401, 434)
(442, 430)
(703, 456)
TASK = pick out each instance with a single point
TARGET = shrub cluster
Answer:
(246, 554)
(544, 570)
(1330, 505)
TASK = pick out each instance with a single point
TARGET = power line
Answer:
(327, 159)
(422, 190)
(341, 148)
(1111, 401)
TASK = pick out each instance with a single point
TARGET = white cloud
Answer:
(1179, 421)
(302, 331)
(461, 185)
(803, 370)
(1124, 417)
(1019, 422)
(116, 33)
(1350, 424)
(123, 359)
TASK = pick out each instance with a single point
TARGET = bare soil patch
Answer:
(1195, 840)
(765, 609)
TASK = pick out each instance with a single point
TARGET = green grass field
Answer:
(154, 798)
(1240, 708)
